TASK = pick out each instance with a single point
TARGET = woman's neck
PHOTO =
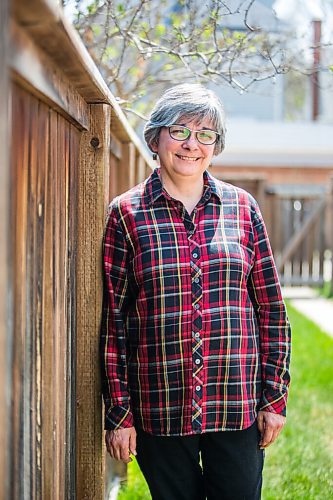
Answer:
(187, 190)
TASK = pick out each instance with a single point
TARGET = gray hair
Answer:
(190, 100)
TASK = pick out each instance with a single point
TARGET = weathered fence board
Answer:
(6, 265)
(94, 155)
(64, 170)
(43, 414)
(299, 236)
(35, 70)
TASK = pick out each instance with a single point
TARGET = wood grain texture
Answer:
(44, 169)
(62, 180)
(32, 68)
(19, 188)
(126, 173)
(51, 32)
(6, 266)
(91, 219)
(49, 466)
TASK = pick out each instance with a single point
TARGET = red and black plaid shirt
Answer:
(195, 336)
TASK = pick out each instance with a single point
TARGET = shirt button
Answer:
(195, 255)
(197, 361)
(196, 306)
(197, 335)
(196, 280)
(198, 387)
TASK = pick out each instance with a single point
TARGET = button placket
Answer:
(197, 364)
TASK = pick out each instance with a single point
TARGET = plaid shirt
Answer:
(195, 336)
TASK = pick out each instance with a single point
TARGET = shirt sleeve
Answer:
(274, 327)
(113, 330)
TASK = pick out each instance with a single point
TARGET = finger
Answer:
(260, 422)
(116, 452)
(124, 455)
(266, 436)
(275, 435)
(108, 445)
(132, 443)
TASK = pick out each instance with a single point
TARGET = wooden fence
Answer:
(72, 150)
(301, 234)
(299, 220)
(6, 314)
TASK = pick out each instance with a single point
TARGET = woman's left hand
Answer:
(270, 426)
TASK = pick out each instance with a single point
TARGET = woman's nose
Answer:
(191, 141)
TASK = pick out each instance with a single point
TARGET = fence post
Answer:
(93, 178)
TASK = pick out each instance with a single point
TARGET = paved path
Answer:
(308, 302)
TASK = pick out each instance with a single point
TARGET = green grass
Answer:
(136, 488)
(300, 464)
(326, 290)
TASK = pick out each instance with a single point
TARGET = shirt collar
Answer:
(154, 188)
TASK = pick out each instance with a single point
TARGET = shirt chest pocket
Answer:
(156, 255)
(230, 251)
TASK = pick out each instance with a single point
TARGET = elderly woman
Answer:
(195, 337)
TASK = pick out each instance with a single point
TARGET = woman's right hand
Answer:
(121, 443)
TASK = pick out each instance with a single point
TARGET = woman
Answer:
(195, 337)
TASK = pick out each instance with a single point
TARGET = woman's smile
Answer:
(178, 158)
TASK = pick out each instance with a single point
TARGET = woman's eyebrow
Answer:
(203, 128)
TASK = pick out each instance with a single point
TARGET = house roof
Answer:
(264, 143)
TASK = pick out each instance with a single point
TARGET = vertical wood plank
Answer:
(94, 153)
(48, 390)
(6, 268)
(277, 228)
(70, 482)
(60, 294)
(31, 376)
(141, 169)
(42, 146)
(113, 176)
(19, 188)
(127, 167)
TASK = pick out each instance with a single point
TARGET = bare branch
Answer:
(136, 113)
(247, 10)
(144, 46)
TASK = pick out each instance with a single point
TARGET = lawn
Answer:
(300, 464)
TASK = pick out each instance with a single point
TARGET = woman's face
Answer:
(188, 158)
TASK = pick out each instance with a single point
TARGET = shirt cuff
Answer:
(118, 417)
(274, 402)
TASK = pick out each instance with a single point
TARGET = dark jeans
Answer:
(230, 468)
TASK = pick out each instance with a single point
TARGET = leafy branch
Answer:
(143, 45)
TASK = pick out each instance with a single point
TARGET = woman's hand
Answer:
(270, 426)
(120, 443)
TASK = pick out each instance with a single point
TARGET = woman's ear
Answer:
(154, 147)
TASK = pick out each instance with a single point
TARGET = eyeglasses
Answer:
(180, 133)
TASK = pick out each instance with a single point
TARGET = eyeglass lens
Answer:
(180, 133)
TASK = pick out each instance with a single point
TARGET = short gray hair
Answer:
(191, 101)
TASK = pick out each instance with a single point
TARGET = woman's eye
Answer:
(206, 135)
